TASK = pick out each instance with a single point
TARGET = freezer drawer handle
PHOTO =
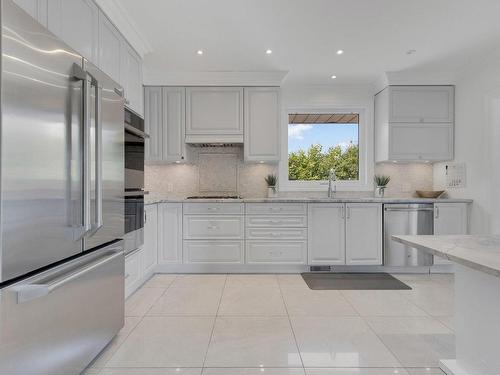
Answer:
(29, 292)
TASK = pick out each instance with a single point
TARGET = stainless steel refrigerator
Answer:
(62, 209)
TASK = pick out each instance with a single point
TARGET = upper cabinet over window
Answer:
(76, 22)
(414, 123)
(214, 114)
(262, 123)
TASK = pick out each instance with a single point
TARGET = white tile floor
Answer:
(274, 324)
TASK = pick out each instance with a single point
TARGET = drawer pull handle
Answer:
(212, 208)
(213, 227)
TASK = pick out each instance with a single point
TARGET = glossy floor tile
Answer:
(252, 301)
(307, 302)
(151, 371)
(357, 371)
(203, 300)
(274, 324)
(139, 303)
(264, 280)
(253, 371)
(159, 281)
(252, 342)
(381, 303)
(165, 342)
(340, 342)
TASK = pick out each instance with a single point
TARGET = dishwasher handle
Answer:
(29, 292)
(409, 209)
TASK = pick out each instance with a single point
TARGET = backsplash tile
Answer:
(221, 170)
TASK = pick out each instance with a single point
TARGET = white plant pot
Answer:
(272, 192)
(379, 191)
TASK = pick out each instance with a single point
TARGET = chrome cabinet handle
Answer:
(436, 212)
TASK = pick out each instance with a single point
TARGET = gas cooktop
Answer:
(214, 197)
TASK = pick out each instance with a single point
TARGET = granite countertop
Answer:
(479, 252)
(152, 200)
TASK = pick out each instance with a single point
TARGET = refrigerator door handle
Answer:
(87, 88)
(29, 292)
(98, 158)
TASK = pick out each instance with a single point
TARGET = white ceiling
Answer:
(305, 35)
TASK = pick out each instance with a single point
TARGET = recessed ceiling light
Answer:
(199, 52)
(333, 77)
(340, 52)
(269, 51)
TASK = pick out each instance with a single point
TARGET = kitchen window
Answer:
(316, 141)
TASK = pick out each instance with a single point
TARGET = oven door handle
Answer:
(129, 128)
(135, 193)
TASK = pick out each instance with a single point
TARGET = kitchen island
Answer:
(477, 302)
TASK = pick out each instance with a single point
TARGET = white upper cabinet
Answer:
(421, 104)
(165, 123)
(449, 218)
(414, 123)
(110, 41)
(326, 234)
(214, 114)
(363, 234)
(153, 123)
(174, 123)
(76, 22)
(131, 78)
(262, 123)
(36, 9)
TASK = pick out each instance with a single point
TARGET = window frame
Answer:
(364, 183)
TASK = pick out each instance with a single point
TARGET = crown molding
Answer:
(414, 78)
(219, 78)
(125, 23)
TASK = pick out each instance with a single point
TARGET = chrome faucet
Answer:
(332, 186)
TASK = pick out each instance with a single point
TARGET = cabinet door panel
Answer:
(77, 23)
(109, 47)
(131, 77)
(364, 234)
(276, 252)
(415, 104)
(170, 232)
(326, 234)
(213, 252)
(262, 123)
(414, 142)
(211, 227)
(150, 252)
(153, 123)
(214, 110)
(449, 218)
(174, 114)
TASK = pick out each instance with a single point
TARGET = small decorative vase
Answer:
(271, 192)
(379, 191)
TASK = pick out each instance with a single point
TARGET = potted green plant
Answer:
(271, 180)
(381, 182)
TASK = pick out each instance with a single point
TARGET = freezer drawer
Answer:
(56, 322)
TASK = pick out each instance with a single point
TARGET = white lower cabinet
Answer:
(213, 252)
(326, 234)
(169, 233)
(201, 227)
(363, 234)
(149, 255)
(348, 234)
(132, 272)
(276, 252)
(449, 218)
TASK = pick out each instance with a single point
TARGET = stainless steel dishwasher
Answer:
(407, 219)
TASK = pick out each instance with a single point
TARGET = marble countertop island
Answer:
(479, 252)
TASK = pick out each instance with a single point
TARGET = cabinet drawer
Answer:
(294, 252)
(198, 227)
(276, 233)
(213, 251)
(132, 271)
(277, 221)
(276, 208)
(213, 208)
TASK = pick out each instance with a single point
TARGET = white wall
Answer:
(477, 142)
